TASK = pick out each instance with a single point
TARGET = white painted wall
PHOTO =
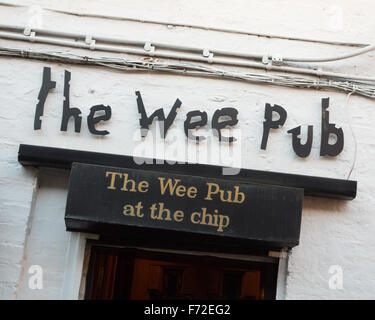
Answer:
(47, 240)
(333, 232)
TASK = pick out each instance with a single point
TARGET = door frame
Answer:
(274, 262)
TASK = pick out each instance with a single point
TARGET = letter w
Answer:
(146, 121)
(168, 185)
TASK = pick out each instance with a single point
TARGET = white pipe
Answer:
(112, 40)
(335, 58)
(365, 89)
(188, 48)
(213, 60)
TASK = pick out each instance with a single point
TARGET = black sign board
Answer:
(119, 201)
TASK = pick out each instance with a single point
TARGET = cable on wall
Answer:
(148, 49)
(39, 35)
(192, 69)
(352, 131)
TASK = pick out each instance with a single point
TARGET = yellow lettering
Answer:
(180, 191)
(210, 191)
(223, 222)
(139, 207)
(143, 186)
(193, 215)
(192, 192)
(178, 215)
(168, 185)
(113, 178)
(228, 199)
(164, 210)
(128, 210)
(153, 209)
(206, 215)
(237, 193)
(126, 181)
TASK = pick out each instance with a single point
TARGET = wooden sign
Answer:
(111, 200)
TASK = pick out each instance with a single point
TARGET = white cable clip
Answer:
(90, 41)
(27, 31)
(209, 55)
(206, 53)
(265, 59)
(277, 60)
(149, 48)
(31, 34)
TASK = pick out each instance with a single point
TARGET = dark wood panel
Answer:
(102, 275)
(64, 158)
(249, 212)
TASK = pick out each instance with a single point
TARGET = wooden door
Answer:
(118, 274)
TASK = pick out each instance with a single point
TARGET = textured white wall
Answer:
(333, 232)
(47, 241)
